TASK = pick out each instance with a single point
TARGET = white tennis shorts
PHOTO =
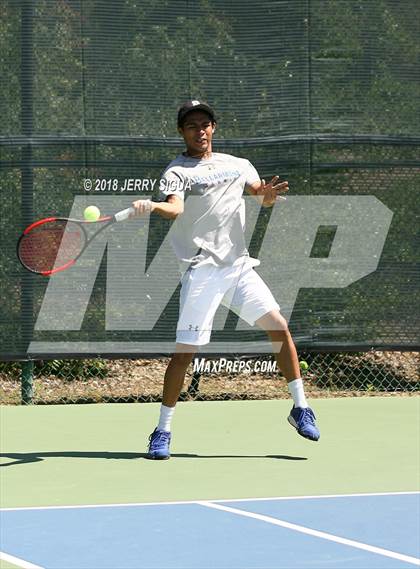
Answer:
(205, 288)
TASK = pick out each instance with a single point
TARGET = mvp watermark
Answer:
(139, 286)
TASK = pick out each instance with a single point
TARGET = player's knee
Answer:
(274, 324)
(183, 358)
(281, 323)
(279, 330)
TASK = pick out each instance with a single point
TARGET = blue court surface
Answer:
(346, 531)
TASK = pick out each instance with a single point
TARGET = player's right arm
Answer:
(170, 209)
(170, 203)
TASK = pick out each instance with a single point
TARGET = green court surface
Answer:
(93, 454)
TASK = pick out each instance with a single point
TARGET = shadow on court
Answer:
(28, 457)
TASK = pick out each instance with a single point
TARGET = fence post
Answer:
(27, 382)
(26, 84)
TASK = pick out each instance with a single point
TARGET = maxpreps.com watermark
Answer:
(135, 185)
(222, 365)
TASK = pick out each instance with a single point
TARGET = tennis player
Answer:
(216, 267)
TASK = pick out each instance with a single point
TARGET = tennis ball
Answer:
(91, 213)
(303, 365)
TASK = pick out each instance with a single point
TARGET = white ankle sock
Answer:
(296, 391)
(165, 418)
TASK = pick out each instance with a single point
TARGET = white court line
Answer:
(18, 562)
(318, 496)
(314, 533)
(181, 502)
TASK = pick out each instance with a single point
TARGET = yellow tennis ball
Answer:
(303, 365)
(92, 213)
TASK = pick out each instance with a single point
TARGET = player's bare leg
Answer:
(301, 416)
(284, 348)
(175, 373)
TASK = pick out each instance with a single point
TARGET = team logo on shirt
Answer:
(198, 183)
(216, 177)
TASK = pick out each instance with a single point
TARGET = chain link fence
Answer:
(141, 380)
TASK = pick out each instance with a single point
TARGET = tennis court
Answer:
(241, 489)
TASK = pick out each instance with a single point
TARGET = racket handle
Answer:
(124, 214)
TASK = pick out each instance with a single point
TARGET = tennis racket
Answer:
(54, 244)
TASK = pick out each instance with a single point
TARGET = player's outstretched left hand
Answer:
(272, 190)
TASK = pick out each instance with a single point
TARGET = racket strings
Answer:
(51, 245)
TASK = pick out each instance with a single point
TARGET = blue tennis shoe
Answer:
(159, 445)
(303, 420)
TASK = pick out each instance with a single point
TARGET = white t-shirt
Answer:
(211, 229)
